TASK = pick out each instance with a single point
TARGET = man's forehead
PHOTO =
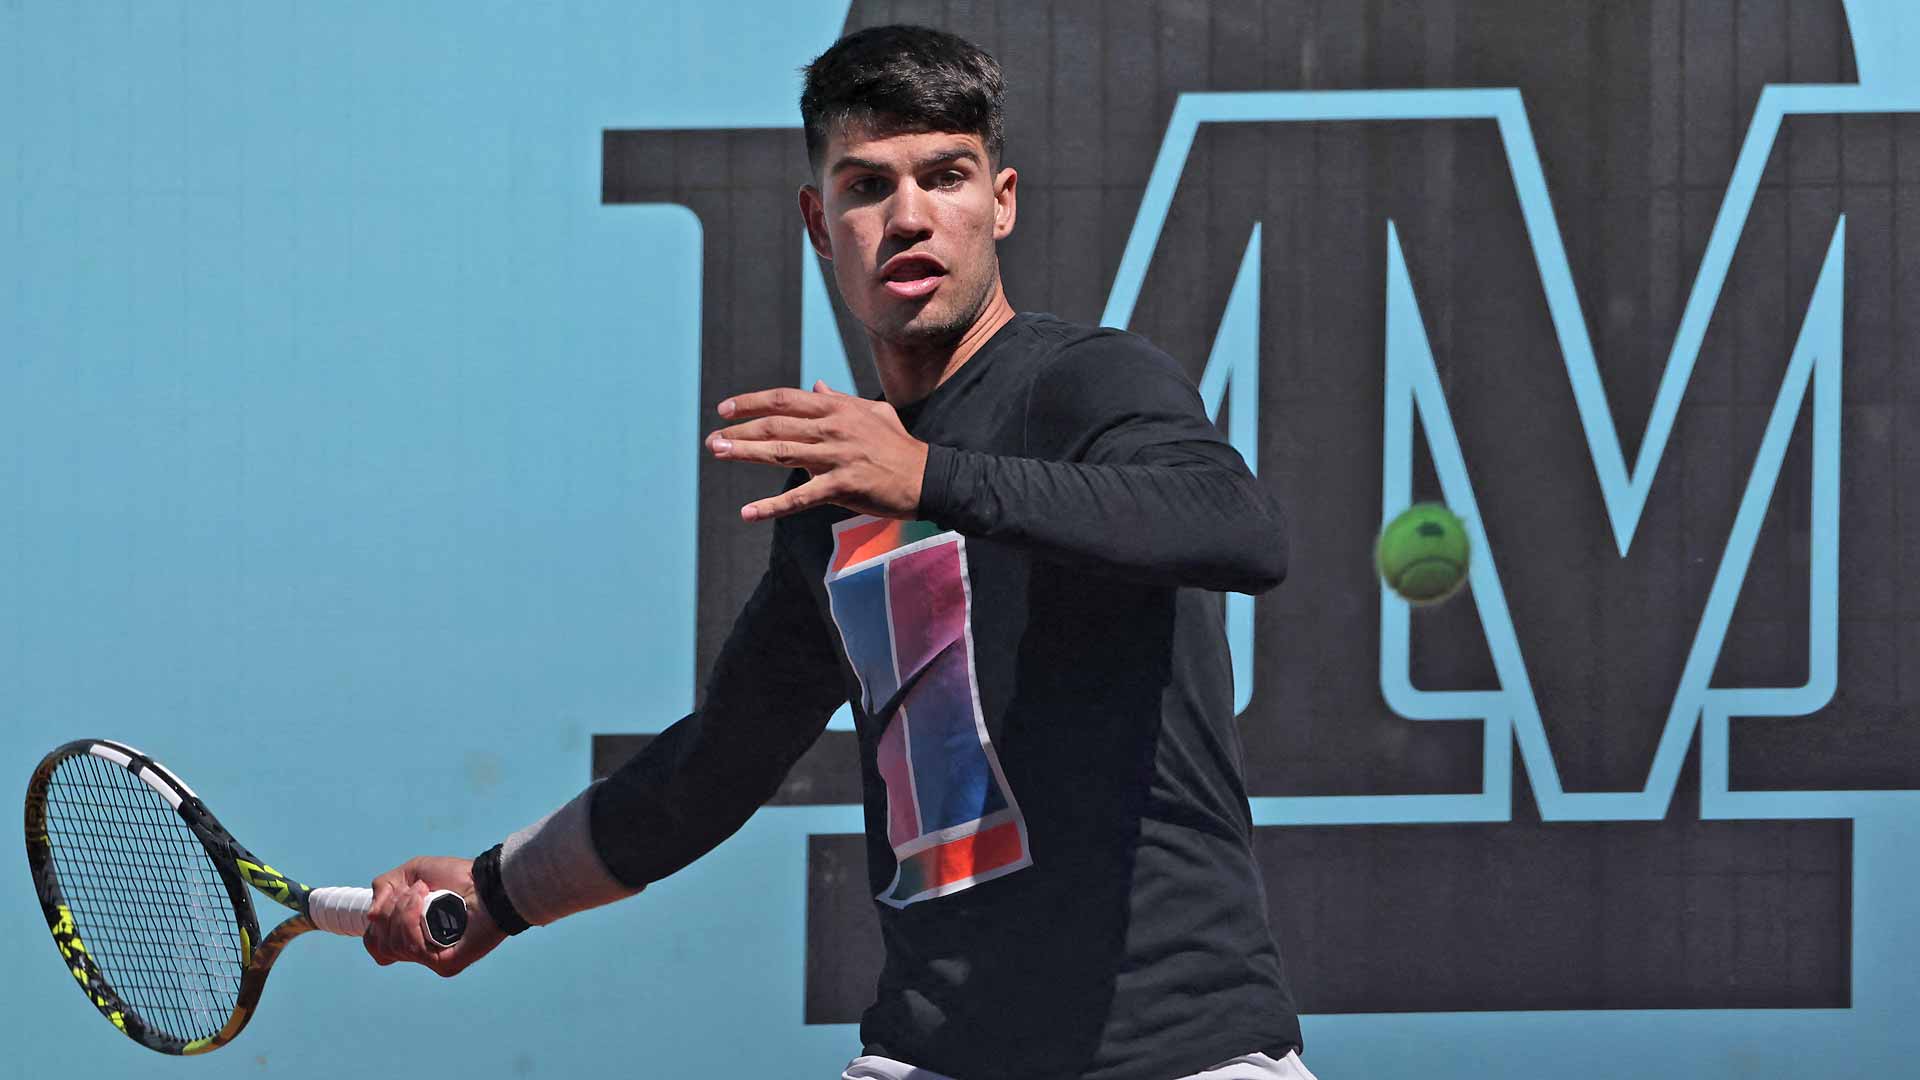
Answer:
(899, 148)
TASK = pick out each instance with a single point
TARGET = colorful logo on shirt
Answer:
(903, 606)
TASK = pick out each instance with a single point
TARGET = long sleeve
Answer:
(773, 687)
(1127, 477)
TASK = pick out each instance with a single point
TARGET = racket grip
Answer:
(343, 910)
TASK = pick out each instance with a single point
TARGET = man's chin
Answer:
(924, 328)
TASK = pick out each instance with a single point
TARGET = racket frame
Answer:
(237, 867)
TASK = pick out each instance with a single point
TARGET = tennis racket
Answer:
(146, 896)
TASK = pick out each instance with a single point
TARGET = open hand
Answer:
(856, 451)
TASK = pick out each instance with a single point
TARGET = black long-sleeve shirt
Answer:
(1057, 826)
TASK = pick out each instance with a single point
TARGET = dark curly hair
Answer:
(893, 79)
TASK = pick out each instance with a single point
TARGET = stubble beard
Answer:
(942, 331)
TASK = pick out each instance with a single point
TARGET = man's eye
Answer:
(951, 179)
(866, 185)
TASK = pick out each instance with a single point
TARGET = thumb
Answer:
(820, 387)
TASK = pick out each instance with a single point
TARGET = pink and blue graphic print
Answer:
(902, 604)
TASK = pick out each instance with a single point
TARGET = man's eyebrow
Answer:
(958, 153)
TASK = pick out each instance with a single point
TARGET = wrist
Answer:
(936, 472)
(916, 478)
(492, 892)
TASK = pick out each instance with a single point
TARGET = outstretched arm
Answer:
(773, 687)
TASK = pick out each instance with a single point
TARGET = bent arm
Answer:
(1127, 477)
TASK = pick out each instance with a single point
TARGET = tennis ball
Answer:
(1422, 554)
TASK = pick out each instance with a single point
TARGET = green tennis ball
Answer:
(1422, 554)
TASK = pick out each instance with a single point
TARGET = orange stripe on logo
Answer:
(863, 542)
(967, 856)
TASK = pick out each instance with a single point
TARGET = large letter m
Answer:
(1584, 748)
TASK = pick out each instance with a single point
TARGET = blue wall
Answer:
(347, 452)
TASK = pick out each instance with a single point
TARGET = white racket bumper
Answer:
(343, 910)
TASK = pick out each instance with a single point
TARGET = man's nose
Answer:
(910, 214)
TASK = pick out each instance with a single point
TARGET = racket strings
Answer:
(147, 901)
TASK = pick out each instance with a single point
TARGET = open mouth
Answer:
(913, 287)
(913, 277)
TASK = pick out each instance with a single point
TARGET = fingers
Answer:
(394, 928)
(789, 437)
(810, 494)
(776, 427)
(783, 452)
(387, 889)
(773, 427)
(783, 401)
(856, 452)
(410, 923)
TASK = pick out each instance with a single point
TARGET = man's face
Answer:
(910, 222)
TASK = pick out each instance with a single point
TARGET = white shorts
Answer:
(1249, 1067)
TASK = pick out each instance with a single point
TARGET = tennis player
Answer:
(1012, 567)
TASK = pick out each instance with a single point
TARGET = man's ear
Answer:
(813, 211)
(1004, 203)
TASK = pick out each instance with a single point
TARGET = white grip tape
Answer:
(340, 909)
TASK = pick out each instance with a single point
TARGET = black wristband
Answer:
(493, 892)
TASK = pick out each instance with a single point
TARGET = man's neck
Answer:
(908, 375)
